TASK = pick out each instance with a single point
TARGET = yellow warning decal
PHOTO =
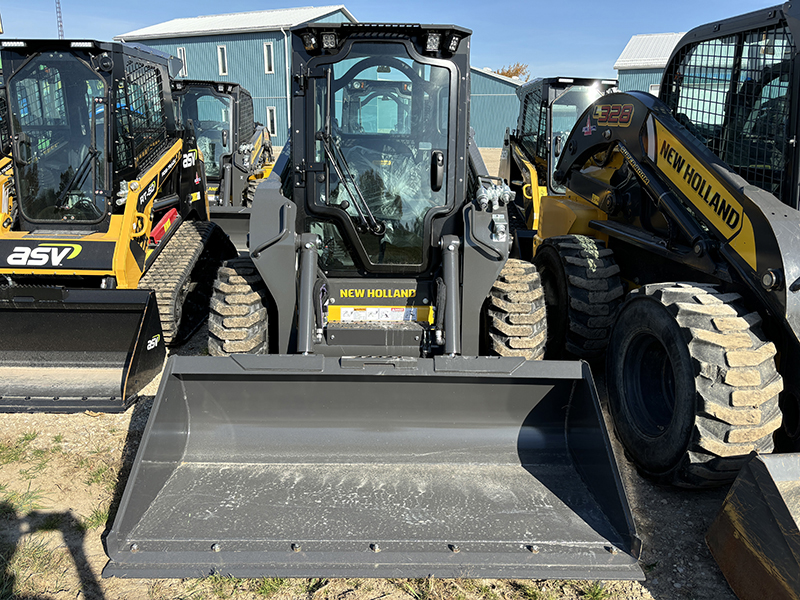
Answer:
(707, 194)
(355, 314)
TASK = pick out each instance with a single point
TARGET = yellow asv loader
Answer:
(237, 150)
(371, 408)
(691, 201)
(106, 251)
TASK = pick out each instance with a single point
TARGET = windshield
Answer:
(58, 110)
(566, 109)
(211, 115)
(385, 126)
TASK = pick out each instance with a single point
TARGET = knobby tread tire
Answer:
(736, 383)
(238, 319)
(516, 320)
(182, 274)
(583, 292)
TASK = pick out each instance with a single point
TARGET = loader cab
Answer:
(550, 108)
(75, 110)
(734, 85)
(382, 166)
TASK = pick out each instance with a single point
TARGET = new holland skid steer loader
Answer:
(364, 424)
(549, 109)
(237, 151)
(106, 252)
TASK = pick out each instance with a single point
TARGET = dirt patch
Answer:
(61, 478)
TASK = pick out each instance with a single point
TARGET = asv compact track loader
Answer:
(364, 424)
(237, 151)
(106, 249)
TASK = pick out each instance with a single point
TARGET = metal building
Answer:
(642, 62)
(494, 105)
(247, 48)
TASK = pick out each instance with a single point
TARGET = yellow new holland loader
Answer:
(692, 200)
(378, 413)
(106, 252)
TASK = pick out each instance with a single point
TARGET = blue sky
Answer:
(570, 37)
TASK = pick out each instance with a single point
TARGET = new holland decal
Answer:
(706, 193)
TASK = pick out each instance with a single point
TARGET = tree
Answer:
(516, 70)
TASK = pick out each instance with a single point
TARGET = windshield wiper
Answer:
(337, 160)
(79, 178)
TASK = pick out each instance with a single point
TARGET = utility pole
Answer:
(60, 22)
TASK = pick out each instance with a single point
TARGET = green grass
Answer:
(15, 503)
(269, 586)
(595, 591)
(32, 569)
(97, 518)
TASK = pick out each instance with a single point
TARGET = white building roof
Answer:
(488, 71)
(648, 51)
(243, 22)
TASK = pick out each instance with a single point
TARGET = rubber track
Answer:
(735, 378)
(237, 322)
(516, 312)
(594, 289)
(171, 273)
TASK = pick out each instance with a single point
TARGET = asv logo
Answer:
(45, 254)
(153, 342)
(189, 159)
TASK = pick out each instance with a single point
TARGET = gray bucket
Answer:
(301, 466)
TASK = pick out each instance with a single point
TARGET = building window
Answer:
(222, 60)
(184, 72)
(269, 58)
(271, 122)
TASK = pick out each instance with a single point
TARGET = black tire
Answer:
(515, 312)
(238, 321)
(583, 291)
(692, 384)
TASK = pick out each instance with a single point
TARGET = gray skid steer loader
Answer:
(372, 408)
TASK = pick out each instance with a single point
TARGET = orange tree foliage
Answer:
(516, 70)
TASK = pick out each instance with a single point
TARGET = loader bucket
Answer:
(69, 350)
(300, 466)
(235, 221)
(755, 538)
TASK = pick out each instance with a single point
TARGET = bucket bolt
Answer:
(454, 549)
(612, 550)
(533, 549)
(295, 547)
(374, 547)
(216, 547)
(134, 548)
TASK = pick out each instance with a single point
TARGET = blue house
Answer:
(248, 48)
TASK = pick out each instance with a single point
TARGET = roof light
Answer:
(13, 44)
(81, 44)
(309, 41)
(328, 41)
(565, 80)
(453, 45)
(433, 42)
(609, 81)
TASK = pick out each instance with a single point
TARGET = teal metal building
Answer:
(494, 106)
(642, 62)
(248, 48)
